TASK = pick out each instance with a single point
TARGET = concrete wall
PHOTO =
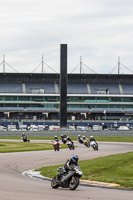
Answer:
(70, 133)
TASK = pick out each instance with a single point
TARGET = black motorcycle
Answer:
(25, 139)
(68, 179)
(64, 138)
(80, 140)
(70, 145)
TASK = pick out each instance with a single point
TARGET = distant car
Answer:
(123, 128)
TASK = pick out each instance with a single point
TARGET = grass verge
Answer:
(7, 147)
(111, 169)
(104, 139)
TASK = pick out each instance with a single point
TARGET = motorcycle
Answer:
(68, 179)
(64, 140)
(25, 139)
(70, 145)
(56, 145)
(94, 145)
(80, 140)
(87, 143)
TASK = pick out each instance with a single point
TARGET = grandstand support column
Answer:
(4, 64)
(42, 65)
(80, 64)
(63, 85)
(118, 64)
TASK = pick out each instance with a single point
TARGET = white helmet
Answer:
(91, 136)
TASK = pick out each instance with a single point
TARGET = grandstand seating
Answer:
(72, 88)
(127, 88)
(77, 88)
(49, 88)
(102, 87)
(11, 87)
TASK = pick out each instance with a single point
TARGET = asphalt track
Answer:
(14, 186)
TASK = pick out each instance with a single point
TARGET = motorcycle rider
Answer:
(80, 139)
(79, 136)
(67, 167)
(64, 139)
(56, 139)
(71, 161)
(84, 138)
(92, 139)
(24, 137)
(56, 143)
(69, 139)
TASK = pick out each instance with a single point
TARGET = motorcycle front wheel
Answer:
(74, 183)
(54, 183)
(73, 147)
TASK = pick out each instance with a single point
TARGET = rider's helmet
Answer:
(55, 137)
(83, 137)
(91, 136)
(61, 135)
(23, 134)
(67, 137)
(75, 158)
(79, 136)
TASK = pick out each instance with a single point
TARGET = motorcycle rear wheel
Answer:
(54, 183)
(74, 183)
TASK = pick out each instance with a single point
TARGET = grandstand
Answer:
(90, 97)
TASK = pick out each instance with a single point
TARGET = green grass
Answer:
(6, 147)
(115, 139)
(106, 139)
(111, 169)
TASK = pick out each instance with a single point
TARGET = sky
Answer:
(95, 31)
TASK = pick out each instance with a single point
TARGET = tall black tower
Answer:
(63, 85)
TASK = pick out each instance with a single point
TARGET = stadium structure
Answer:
(34, 98)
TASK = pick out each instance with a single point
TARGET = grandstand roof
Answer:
(53, 77)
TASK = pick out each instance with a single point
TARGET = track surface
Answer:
(14, 186)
